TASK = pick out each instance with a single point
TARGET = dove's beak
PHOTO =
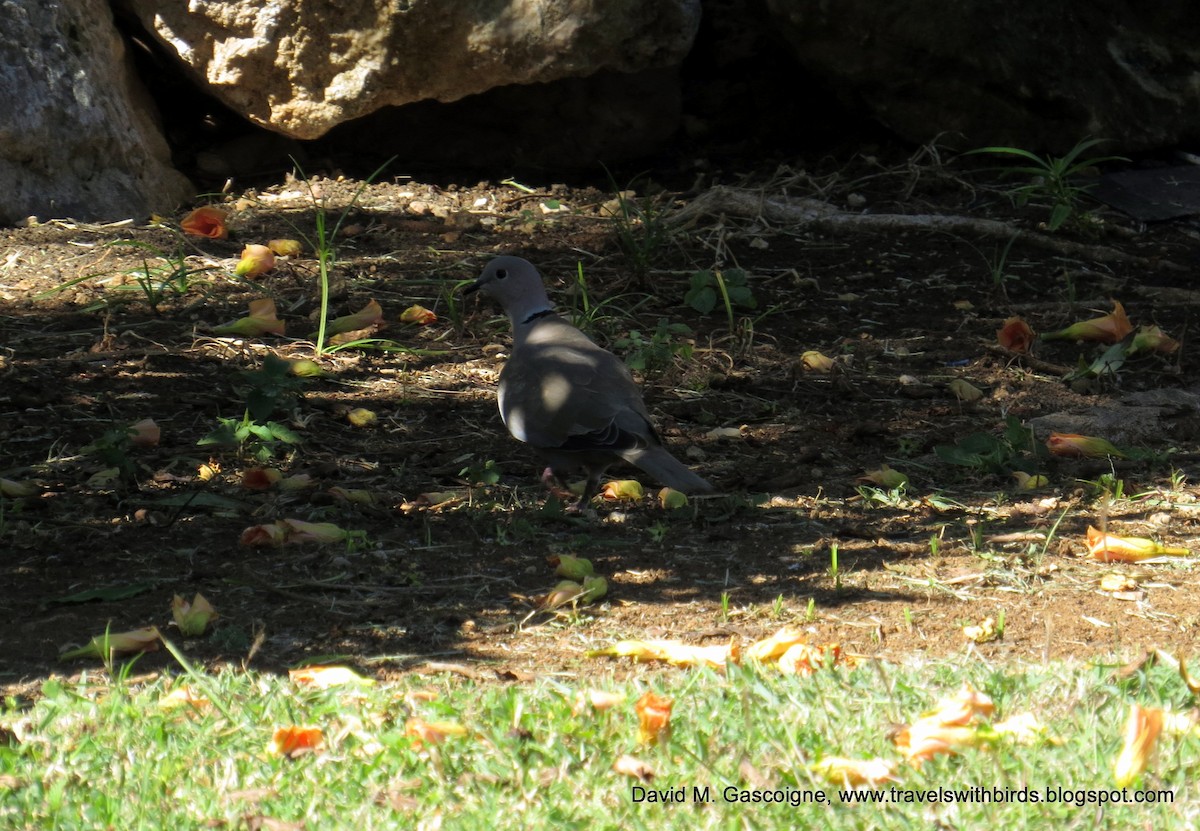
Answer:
(471, 288)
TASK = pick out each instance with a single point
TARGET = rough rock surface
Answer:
(1035, 75)
(78, 136)
(301, 68)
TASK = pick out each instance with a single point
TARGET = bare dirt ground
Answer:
(902, 310)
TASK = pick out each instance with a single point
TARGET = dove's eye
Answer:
(501, 274)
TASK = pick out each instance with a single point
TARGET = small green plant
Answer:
(263, 439)
(777, 608)
(324, 238)
(1054, 179)
(486, 474)
(723, 616)
(640, 227)
(658, 532)
(162, 274)
(810, 612)
(657, 351)
(730, 286)
(834, 571)
(1015, 449)
(273, 388)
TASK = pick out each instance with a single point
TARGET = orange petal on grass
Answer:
(850, 773)
(927, 738)
(205, 222)
(296, 741)
(597, 700)
(418, 315)
(1015, 334)
(633, 767)
(1142, 729)
(671, 652)
(1075, 445)
(1111, 328)
(770, 649)
(964, 707)
(654, 718)
(1109, 548)
(321, 677)
(256, 260)
(432, 732)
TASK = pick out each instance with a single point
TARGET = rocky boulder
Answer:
(78, 137)
(1034, 75)
(302, 68)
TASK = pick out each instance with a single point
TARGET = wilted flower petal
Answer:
(671, 499)
(814, 361)
(192, 618)
(286, 247)
(654, 718)
(368, 316)
(1142, 729)
(262, 321)
(260, 478)
(1152, 339)
(418, 315)
(571, 567)
(1073, 444)
(264, 536)
(296, 741)
(256, 260)
(144, 433)
(885, 477)
(205, 222)
(1015, 334)
(101, 646)
(623, 490)
(319, 532)
(1111, 328)
(850, 773)
(17, 490)
(362, 417)
(1108, 548)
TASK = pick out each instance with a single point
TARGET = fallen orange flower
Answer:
(263, 536)
(671, 652)
(112, 643)
(1109, 548)
(192, 618)
(256, 260)
(1015, 334)
(598, 700)
(1111, 328)
(850, 773)
(260, 478)
(771, 648)
(144, 433)
(1152, 339)
(671, 499)
(927, 738)
(1090, 447)
(431, 732)
(417, 314)
(296, 741)
(654, 718)
(285, 247)
(369, 316)
(885, 477)
(323, 678)
(319, 532)
(261, 321)
(963, 707)
(622, 490)
(1142, 729)
(814, 361)
(635, 768)
(205, 222)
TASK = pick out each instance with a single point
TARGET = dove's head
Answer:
(516, 285)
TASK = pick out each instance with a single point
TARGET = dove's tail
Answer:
(668, 470)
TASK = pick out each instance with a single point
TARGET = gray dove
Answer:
(571, 400)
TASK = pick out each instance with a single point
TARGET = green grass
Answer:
(94, 754)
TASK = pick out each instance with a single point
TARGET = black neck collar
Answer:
(537, 316)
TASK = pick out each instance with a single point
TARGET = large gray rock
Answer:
(1040, 75)
(301, 67)
(77, 134)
